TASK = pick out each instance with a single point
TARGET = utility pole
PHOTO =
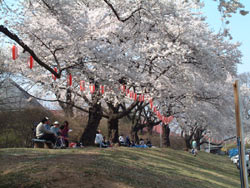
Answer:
(209, 145)
(240, 137)
(209, 140)
(161, 135)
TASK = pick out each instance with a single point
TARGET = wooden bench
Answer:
(40, 143)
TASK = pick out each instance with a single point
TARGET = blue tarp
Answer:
(233, 152)
(140, 146)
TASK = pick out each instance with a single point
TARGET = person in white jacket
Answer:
(44, 133)
(121, 140)
(98, 139)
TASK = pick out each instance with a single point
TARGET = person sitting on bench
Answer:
(55, 128)
(43, 133)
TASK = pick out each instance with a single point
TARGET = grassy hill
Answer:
(115, 167)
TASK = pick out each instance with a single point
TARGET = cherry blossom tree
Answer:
(160, 48)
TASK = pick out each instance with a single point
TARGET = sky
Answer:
(239, 28)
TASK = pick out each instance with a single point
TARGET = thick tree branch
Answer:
(117, 15)
(14, 37)
(127, 111)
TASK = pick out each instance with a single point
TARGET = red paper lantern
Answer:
(69, 80)
(102, 89)
(135, 96)
(92, 88)
(14, 52)
(151, 103)
(164, 120)
(123, 88)
(141, 98)
(155, 109)
(53, 76)
(158, 114)
(30, 62)
(128, 92)
(82, 85)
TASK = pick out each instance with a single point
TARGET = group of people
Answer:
(129, 143)
(101, 141)
(55, 133)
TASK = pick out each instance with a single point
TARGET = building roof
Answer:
(14, 97)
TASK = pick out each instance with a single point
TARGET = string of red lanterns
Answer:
(14, 50)
(129, 93)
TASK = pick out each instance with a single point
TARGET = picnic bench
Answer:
(40, 143)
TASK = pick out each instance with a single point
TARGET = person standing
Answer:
(194, 145)
(98, 139)
(64, 132)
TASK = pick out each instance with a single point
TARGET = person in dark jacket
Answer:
(64, 130)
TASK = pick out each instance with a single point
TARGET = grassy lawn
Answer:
(115, 167)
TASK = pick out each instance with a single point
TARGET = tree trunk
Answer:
(95, 116)
(197, 137)
(114, 116)
(113, 130)
(150, 130)
(166, 133)
(134, 133)
(68, 107)
(188, 139)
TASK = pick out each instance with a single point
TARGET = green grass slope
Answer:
(115, 167)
